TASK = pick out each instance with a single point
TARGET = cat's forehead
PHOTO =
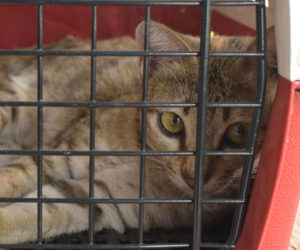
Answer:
(180, 83)
(174, 83)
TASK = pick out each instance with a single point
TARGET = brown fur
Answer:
(119, 79)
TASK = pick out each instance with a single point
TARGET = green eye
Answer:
(237, 134)
(170, 123)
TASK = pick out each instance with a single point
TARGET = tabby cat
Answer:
(119, 79)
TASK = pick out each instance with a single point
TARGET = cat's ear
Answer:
(271, 50)
(161, 38)
(249, 64)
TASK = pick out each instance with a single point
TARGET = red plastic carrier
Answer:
(18, 24)
(275, 195)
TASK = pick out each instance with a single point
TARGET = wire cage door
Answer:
(204, 18)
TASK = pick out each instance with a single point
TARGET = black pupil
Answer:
(240, 130)
(176, 119)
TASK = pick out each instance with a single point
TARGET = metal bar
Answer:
(103, 2)
(96, 104)
(248, 167)
(107, 201)
(113, 201)
(217, 245)
(127, 105)
(233, 105)
(123, 53)
(223, 201)
(237, 54)
(121, 153)
(95, 53)
(237, 3)
(139, 3)
(144, 125)
(201, 123)
(40, 125)
(231, 153)
(98, 246)
(96, 153)
(92, 124)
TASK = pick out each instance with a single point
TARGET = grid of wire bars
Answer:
(201, 106)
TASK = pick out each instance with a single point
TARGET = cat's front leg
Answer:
(19, 177)
(18, 221)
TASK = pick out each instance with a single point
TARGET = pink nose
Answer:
(190, 182)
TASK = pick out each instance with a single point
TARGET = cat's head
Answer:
(176, 79)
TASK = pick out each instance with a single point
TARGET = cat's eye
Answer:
(237, 134)
(170, 123)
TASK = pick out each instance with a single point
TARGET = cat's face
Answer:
(175, 79)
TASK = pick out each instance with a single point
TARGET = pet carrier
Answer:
(275, 195)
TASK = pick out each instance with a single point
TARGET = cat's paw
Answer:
(3, 228)
(15, 227)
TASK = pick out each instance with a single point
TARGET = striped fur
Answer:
(119, 79)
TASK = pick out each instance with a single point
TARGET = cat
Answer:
(119, 79)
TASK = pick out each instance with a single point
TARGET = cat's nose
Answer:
(190, 182)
